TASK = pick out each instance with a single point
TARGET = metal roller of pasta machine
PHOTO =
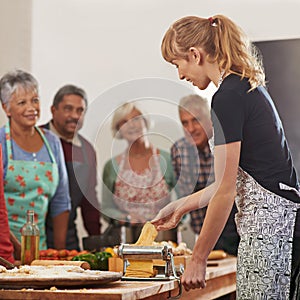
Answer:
(164, 253)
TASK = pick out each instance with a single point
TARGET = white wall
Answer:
(15, 35)
(99, 43)
(112, 49)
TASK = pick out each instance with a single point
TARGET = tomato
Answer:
(55, 257)
(52, 258)
(73, 252)
(43, 253)
(63, 253)
(51, 252)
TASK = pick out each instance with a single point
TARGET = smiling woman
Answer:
(34, 170)
(137, 182)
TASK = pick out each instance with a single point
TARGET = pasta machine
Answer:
(165, 271)
(162, 253)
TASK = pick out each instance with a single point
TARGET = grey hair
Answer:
(13, 81)
(121, 112)
(69, 89)
(194, 102)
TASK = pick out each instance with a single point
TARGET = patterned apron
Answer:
(29, 185)
(265, 222)
(144, 193)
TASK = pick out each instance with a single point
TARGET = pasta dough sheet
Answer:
(143, 268)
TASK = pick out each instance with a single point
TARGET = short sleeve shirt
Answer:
(251, 118)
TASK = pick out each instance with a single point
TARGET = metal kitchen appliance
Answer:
(164, 253)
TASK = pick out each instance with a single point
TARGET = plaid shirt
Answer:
(193, 170)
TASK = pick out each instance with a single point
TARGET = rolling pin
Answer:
(44, 262)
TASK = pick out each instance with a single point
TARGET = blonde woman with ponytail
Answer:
(253, 163)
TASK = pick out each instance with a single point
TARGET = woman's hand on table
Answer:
(194, 275)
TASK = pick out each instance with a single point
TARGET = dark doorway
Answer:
(282, 65)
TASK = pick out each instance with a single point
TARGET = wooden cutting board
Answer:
(58, 276)
(221, 262)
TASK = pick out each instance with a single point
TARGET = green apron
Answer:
(29, 185)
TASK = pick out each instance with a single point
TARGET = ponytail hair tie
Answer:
(212, 21)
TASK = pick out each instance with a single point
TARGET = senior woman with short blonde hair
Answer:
(136, 183)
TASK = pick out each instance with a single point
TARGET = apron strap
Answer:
(285, 187)
(8, 141)
(9, 148)
(84, 151)
(46, 144)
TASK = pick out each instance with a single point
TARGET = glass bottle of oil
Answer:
(30, 239)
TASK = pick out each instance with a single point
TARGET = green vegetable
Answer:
(102, 258)
(97, 261)
(88, 257)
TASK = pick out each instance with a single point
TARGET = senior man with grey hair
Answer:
(193, 164)
(68, 111)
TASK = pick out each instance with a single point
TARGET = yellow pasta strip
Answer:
(147, 236)
(143, 268)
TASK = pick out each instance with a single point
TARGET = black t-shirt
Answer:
(251, 117)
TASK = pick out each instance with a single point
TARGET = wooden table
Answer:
(220, 281)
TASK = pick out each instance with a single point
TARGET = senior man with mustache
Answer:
(68, 111)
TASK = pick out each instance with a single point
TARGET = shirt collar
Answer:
(205, 152)
(75, 140)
